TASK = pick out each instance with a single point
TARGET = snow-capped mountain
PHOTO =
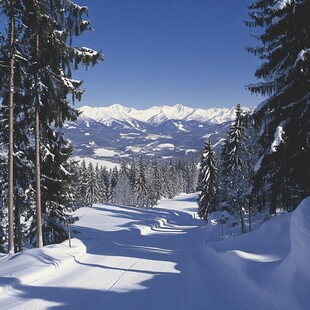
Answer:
(161, 130)
(157, 114)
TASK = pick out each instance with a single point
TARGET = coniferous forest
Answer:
(263, 165)
(37, 89)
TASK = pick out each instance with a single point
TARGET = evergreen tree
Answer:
(105, 184)
(140, 185)
(156, 180)
(92, 186)
(13, 73)
(282, 176)
(169, 176)
(233, 163)
(43, 88)
(123, 193)
(114, 180)
(207, 201)
(82, 182)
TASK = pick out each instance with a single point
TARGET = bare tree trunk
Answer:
(37, 152)
(11, 141)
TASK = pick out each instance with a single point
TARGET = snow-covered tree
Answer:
(169, 179)
(92, 185)
(113, 182)
(105, 185)
(283, 171)
(141, 184)
(155, 181)
(124, 193)
(233, 176)
(207, 201)
(44, 92)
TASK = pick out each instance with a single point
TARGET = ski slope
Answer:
(163, 258)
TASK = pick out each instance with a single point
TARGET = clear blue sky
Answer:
(164, 52)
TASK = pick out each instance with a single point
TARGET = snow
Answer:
(157, 114)
(180, 126)
(102, 152)
(302, 56)
(100, 162)
(280, 5)
(188, 151)
(277, 138)
(164, 257)
(169, 146)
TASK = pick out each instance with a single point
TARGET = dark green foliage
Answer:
(283, 178)
(207, 201)
(45, 60)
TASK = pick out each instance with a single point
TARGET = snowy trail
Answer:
(162, 258)
(135, 259)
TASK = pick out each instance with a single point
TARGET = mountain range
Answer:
(116, 132)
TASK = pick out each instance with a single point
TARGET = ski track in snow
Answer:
(161, 258)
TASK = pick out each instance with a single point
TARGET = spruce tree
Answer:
(141, 185)
(282, 176)
(114, 179)
(13, 72)
(207, 201)
(233, 155)
(46, 90)
(105, 184)
(156, 180)
(92, 186)
(123, 193)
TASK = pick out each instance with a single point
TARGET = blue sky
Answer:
(165, 52)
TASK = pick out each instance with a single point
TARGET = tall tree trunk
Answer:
(11, 141)
(39, 243)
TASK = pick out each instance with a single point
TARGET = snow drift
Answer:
(164, 257)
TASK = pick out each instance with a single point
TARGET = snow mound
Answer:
(277, 252)
(300, 236)
(34, 264)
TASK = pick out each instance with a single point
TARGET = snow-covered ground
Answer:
(163, 258)
(101, 162)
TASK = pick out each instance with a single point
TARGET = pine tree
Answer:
(43, 78)
(233, 163)
(82, 177)
(283, 172)
(92, 186)
(114, 181)
(123, 193)
(156, 180)
(207, 201)
(105, 184)
(14, 116)
(140, 185)
(169, 177)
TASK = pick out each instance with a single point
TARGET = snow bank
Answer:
(34, 264)
(273, 261)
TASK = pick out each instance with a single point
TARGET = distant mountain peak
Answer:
(157, 114)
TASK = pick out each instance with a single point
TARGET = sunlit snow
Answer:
(129, 258)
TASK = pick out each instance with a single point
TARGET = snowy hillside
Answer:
(129, 258)
(157, 114)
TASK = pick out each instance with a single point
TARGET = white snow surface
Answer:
(94, 161)
(163, 258)
(157, 114)
(277, 138)
(103, 152)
